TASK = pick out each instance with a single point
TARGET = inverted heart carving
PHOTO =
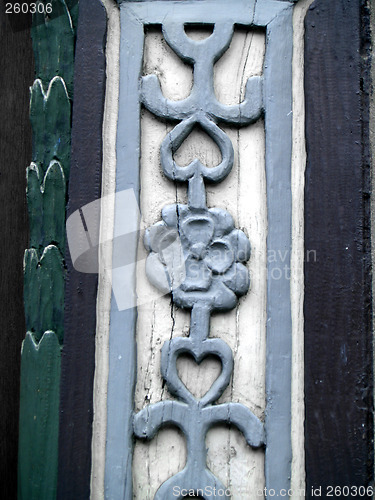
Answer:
(198, 229)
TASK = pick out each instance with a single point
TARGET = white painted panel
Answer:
(297, 257)
(99, 427)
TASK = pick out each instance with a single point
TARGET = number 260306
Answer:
(350, 491)
(25, 8)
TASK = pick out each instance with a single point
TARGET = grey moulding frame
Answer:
(276, 17)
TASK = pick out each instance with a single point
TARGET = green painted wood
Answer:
(53, 43)
(73, 11)
(50, 115)
(31, 261)
(40, 378)
(46, 205)
(54, 197)
(44, 292)
(34, 196)
(44, 268)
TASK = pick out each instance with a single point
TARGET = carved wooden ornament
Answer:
(213, 251)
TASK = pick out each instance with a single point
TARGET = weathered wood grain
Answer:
(298, 247)
(104, 295)
(17, 71)
(78, 357)
(338, 338)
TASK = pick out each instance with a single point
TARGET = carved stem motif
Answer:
(205, 271)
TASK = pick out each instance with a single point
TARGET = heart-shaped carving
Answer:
(198, 350)
(198, 378)
(178, 135)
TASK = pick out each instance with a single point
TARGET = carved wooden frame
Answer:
(276, 17)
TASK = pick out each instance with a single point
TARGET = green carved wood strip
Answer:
(73, 11)
(31, 305)
(54, 196)
(50, 115)
(40, 382)
(44, 268)
(34, 196)
(53, 43)
(46, 204)
(44, 292)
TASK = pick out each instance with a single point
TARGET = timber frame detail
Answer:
(208, 238)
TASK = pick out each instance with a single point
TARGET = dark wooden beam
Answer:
(78, 356)
(16, 76)
(338, 335)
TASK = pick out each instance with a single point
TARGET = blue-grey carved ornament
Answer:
(207, 272)
(203, 55)
(214, 255)
(194, 417)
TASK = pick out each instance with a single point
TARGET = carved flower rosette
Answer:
(198, 256)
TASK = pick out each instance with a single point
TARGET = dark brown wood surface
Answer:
(78, 356)
(16, 76)
(338, 337)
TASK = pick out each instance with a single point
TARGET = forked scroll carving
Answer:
(200, 107)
